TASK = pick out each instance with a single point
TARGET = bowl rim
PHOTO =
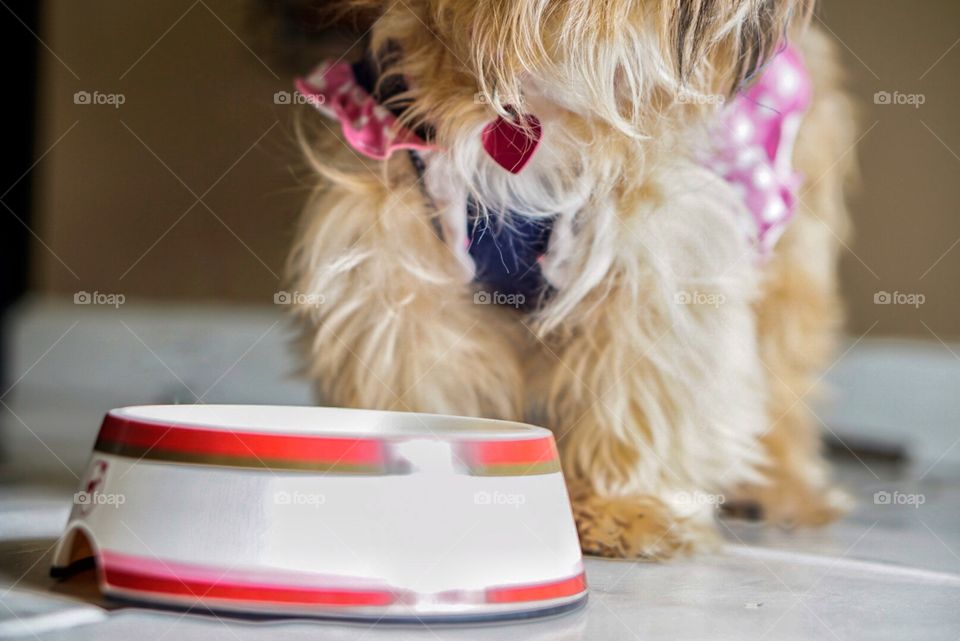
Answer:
(301, 420)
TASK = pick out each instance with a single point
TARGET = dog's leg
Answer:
(389, 321)
(800, 312)
(655, 388)
(798, 318)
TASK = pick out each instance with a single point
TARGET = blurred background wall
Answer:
(181, 187)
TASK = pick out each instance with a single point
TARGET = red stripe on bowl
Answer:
(272, 447)
(520, 452)
(155, 577)
(539, 592)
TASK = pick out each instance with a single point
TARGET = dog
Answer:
(618, 219)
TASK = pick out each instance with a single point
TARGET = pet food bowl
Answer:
(308, 511)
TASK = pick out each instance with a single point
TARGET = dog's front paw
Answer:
(635, 527)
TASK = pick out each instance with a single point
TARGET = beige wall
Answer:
(907, 212)
(198, 98)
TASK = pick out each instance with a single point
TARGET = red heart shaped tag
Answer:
(511, 144)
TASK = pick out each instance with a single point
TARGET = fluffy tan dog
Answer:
(666, 349)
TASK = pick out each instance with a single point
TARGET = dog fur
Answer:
(652, 402)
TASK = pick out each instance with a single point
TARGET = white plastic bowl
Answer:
(326, 512)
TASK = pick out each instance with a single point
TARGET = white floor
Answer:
(887, 571)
